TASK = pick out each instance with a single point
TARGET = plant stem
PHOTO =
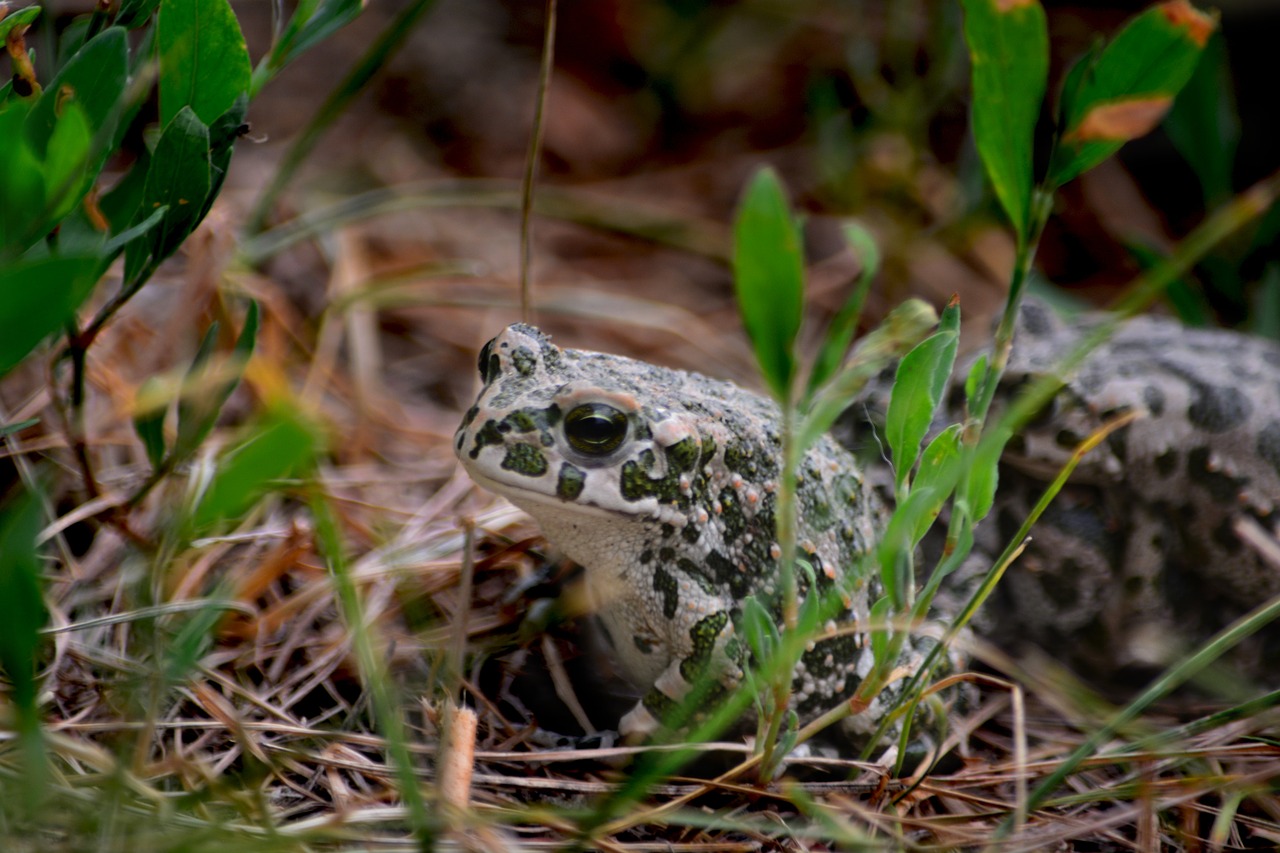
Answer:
(780, 684)
(531, 160)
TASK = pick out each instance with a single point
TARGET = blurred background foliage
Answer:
(862, 106)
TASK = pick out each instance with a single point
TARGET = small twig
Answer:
(457, 647)
(531, 161)
(564, 685)
(1256, 537)
(457, 758)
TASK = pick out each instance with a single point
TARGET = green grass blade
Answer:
(1009, 51)
(22, 615)
(835, 342)
(768, 274)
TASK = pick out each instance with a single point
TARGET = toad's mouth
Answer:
(526, 494)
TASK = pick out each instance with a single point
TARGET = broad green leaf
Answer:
(66, 166)
(1129, 86)
(148, 422)
(23, 17)
(768, 272)
(22, 610)
(204, 64)
(94, 79)
(1073, 82)
(177, 178)
(21, 184)
(208, 384)
(1203, 124)
(120, 204)
(115, 244)
(22, 615)
(72, 39)
(37, 298)
(918, 387)
(938, 459)
(836, 341)
(908, 524)
(283, 446)
(223, 135)
(1009, 51)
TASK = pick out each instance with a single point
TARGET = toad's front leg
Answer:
(705, 655)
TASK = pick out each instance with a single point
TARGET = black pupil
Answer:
(596, 428)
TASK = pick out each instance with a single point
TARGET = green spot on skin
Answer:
(683, 455)
(736, 458)
(527, 420)
(524, 361)
(704, 635)
(731, 516)
(485, 436)
(665, 584)
(697, 573)
(708, 450)
(725, 572)
(633, 483)
(525, 459)
(659, 704)
(571, 481)
(522, 420)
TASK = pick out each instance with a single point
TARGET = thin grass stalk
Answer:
(373, 668)
(531, 161)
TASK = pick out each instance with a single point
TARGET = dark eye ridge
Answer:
(595, 429)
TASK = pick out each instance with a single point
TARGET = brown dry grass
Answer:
(271, 734)
(269, 744)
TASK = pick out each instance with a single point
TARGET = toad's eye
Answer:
(595, 429)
